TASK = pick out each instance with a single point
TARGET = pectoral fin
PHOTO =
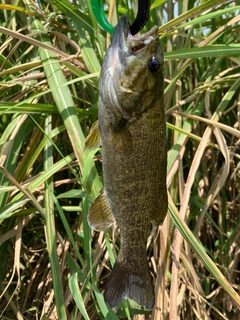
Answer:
(93, 139)
(160, 214)
(122, 136)
(100, 216)
(123, 140)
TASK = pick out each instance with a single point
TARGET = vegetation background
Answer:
(52, 266)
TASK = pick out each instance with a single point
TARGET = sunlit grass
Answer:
(52, 265)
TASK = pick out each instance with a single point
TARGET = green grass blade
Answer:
(50, 228)
(77, 296)
(204, 52)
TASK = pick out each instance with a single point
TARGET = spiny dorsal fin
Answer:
(93, 139)
(100, 216)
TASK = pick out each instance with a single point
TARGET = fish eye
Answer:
(154, 64)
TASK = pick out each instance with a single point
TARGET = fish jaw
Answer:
(124, 45)
(118, 49)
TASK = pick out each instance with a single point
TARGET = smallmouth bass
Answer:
(134, 157)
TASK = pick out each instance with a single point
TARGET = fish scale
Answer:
(134, 158)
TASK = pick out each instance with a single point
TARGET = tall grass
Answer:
(52, 266)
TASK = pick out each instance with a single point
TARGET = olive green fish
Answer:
(133, 138)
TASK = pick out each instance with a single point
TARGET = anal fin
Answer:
(100, 216)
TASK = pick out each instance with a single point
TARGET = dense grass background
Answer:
(52, 266)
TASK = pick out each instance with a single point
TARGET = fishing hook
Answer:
(138, 24)
(142, 16)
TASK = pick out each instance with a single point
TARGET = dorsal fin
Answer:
(93, 139)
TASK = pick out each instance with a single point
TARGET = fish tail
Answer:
(129, 281)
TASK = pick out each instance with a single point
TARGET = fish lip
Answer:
(118, 43)
(123, 27)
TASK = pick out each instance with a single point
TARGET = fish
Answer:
(131, 130)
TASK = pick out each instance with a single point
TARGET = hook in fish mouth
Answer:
(142, 16)
(124, 42)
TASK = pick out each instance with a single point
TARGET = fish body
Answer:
(133, 138)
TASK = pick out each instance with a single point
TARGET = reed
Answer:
(52, 266)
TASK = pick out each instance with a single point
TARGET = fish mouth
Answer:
(124, 43)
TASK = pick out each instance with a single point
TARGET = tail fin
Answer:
(126, 281)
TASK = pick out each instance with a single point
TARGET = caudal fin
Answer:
(125, 282)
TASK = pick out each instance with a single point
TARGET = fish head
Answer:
(132, 72)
